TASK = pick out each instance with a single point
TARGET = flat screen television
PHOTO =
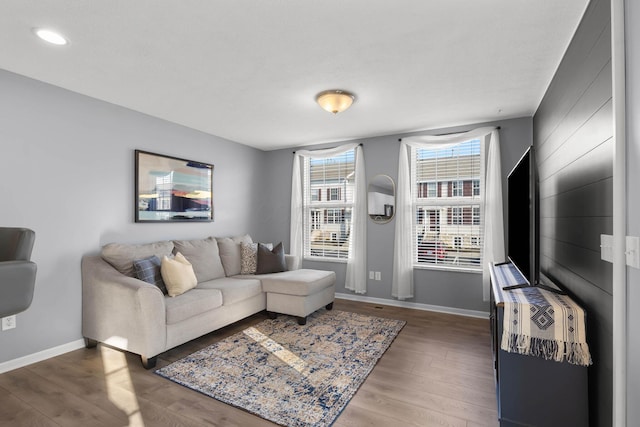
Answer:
(522, 216)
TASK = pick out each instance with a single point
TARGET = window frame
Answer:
(334, 194)
(335, 211)
(449, 196)
(457, 188)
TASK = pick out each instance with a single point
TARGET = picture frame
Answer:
(172, 189)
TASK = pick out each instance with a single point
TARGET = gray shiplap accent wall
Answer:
(572, 133)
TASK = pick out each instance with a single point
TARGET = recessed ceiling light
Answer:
(51, 36)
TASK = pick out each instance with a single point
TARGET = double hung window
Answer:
(446, 197)
(328, 196)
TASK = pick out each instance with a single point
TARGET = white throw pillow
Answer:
(177, 274)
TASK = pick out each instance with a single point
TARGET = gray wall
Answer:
(66, 171)
(633, 205)
(439, 288)
(572, 132)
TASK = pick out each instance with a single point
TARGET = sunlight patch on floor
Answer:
(120, 388)
(277, 350)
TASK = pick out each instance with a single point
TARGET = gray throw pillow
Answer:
(148, 270)
(271, 261)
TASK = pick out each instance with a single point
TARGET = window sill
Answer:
(448, 268)
(320, 259)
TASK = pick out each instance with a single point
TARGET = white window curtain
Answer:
(493, 240)
(356, 275)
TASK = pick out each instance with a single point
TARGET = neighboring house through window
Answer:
(328, 203)
(446, 193)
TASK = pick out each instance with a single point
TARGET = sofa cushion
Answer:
(297, 282)
(203, 255)
(177, 274)
(230, 253)
(234, 290)
(121, 256)
(148, 270)
(270, 261)
(192, 303)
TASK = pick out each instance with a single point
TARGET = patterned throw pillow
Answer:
(249, 261)
(270, 260)
(148, 270)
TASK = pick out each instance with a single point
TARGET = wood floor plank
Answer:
(434, 402)
(63, 407)
(437, 372)
(403, 413)
(454, 376)
(14, 412)
(462, 392)
(357, 416)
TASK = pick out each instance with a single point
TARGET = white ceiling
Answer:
(249, 70)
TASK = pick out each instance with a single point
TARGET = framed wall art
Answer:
(169, 189)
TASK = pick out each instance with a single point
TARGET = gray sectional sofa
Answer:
(131, 314)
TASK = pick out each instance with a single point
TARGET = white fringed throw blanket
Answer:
(544, 324)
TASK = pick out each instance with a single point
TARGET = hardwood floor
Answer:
(438, 372)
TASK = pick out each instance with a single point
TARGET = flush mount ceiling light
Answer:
(335, 101)
(50, 36)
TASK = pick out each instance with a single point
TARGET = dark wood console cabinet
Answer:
(532, 391)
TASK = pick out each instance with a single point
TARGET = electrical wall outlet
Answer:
(378, 276)
(8, 322)
(371, 275)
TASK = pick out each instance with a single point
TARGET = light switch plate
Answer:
(606, 247)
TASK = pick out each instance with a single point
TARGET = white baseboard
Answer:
(414, 305)
(20, 362)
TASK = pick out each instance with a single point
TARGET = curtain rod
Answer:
(450, 133)
(329, 148)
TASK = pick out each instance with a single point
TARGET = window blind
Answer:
(328, 193)
(446, 192)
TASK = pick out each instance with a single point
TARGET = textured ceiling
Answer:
(249, 70)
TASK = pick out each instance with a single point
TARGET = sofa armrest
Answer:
(293, 262)
(122, 311)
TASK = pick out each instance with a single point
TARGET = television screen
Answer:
(522, 216)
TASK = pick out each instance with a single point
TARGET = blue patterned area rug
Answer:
(289, 374)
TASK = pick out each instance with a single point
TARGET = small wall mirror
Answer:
(382, 199)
